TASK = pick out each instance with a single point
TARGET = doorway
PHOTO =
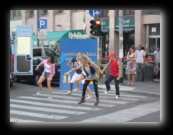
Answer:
(154, 42)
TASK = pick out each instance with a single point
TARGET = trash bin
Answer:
(149, 73)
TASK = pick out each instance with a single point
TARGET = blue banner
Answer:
(69, 50)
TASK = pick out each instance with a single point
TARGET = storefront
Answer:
(128, 33)
(53, 38)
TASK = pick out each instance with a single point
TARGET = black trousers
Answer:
(95, 88)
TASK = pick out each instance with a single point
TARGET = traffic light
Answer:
(95, 27)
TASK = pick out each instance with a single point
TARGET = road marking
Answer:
(46, 109)
(101, 94)
(54, 105)
(64, 101)
(21, 120)
(126, 114)
(70, 97)
(37, 115)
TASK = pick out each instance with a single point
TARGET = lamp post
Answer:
(121, 39)
(37, 27)
(120, 33)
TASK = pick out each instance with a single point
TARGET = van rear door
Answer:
(23, 50)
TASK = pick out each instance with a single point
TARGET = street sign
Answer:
(42, 24)
(95, 13)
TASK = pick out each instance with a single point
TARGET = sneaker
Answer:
(106, 91)
(88, 97)
(96, 103)
(82, 101)
(117, 96)
(39, 92)
(50, 97)
(75, 90)
(69, 92)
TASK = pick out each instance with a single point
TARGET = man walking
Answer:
(140, 60)
(115, 73)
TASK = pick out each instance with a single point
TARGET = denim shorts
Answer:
(47, 75)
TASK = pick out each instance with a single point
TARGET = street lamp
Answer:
(37, 27)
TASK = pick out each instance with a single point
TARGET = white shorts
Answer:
(75, 77)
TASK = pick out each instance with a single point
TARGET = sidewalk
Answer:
(141, 88)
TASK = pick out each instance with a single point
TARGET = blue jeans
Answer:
(109, 79)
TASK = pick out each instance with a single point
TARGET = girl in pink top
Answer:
(49, 72)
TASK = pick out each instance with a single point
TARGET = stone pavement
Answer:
(142, 88)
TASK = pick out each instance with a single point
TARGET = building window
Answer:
(45, 12)
(16, 14)
(60, 11)
(126, 12)
(104, 13)
(154, 29)
(31, 13)
(151, 12)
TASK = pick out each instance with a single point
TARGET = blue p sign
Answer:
(42, 24)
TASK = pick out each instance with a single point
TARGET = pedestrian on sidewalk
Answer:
(115, 73)
(88, 66)
(77, 77)
(131, 66)
(157, 64)
(48, 73)
(140, 60)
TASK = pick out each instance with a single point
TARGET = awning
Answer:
(125, 29)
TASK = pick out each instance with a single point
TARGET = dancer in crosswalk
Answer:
(49, 72)
(78, 76)
(115, 73)
(88, 67)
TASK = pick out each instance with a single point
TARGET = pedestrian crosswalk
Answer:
(38, 108)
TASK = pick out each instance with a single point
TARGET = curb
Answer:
(139, 92)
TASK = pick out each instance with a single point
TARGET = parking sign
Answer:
(42, 24)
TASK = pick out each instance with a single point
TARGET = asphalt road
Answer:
(26, 106)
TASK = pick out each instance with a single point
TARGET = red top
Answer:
(114, 68)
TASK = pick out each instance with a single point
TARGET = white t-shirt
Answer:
(47, 68)
(157, 55)
(140, 56)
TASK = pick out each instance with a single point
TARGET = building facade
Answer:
(139, 26)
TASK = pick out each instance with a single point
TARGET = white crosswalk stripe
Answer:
(53, 105)
(93, 99)
(62, 106)
(64, 101)
(45, 109)
(37, 115)
(105, 96)
(20, 120)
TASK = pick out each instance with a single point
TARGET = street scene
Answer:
(85, 66)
